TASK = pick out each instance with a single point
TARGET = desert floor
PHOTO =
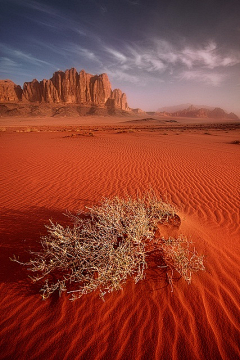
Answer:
(49, 167)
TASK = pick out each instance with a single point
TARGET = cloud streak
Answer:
(80, 51)
(121, 75)
(160, 57)
(47, 10)
(207, 56)
(214, 79)
(117, 55)
(14, 56)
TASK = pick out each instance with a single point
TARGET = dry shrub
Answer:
(107, 245)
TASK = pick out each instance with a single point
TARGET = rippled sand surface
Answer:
(45, 173)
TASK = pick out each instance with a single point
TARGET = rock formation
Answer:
(120, 99)
(69, 87)
(9, 91)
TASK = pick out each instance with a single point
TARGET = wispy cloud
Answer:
(99, 5)
(8, 67)
(80, 51)
(39, 6)
(122, 76)
(52, 17)
(29, 58)
(15, 56)
(5, 62)
(117, 55)
(207, 56)
(214, 79)
(136, 58)
(160, 57)
(152, 63)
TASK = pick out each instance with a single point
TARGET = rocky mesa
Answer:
(65, 88)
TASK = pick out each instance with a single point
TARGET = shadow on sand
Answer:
(20, 232)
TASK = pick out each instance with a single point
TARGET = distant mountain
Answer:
(171, 109)
(195, 112)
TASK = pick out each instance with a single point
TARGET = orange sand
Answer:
(45, 173)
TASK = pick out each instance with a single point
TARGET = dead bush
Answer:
(108, 244)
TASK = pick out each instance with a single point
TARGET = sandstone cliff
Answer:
(9, 92)
(69, 87)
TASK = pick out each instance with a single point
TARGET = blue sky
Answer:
(159, 53)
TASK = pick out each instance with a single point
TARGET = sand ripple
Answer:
(44, 174)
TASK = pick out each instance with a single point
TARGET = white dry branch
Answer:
(108, 245)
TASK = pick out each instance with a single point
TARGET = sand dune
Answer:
(45, 173)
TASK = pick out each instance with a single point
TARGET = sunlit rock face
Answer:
(69, 87)
(120, 99)
(9, 91)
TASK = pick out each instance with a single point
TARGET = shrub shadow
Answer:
(20, 232)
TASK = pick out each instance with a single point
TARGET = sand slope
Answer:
(43, 174)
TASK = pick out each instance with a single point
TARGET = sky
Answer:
(159, 52)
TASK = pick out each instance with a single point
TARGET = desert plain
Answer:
(50, 166)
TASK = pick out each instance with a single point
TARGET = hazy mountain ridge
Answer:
(175, 108)
(199, 112)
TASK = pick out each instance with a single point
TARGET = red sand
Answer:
(43, 174)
